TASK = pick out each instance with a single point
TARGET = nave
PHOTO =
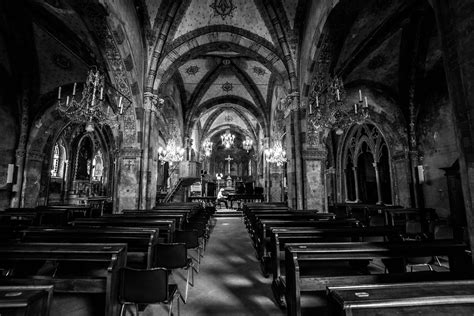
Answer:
(230, 281)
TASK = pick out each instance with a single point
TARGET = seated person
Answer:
(221, 197)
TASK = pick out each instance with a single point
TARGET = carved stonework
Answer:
(315, 154)
(130, 153)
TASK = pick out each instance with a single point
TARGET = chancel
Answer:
(236, 157)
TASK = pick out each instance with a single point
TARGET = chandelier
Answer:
(276, 154)
(89, 107)
(326, 107)
(207, 146)
(227, 139)
(247, 144)
(171, 153)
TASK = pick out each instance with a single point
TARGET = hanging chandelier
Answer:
(276, 154)
(247, 144)
(207, 146)
(171, 153)
(89, 107)
(227, 139)
(326, 107)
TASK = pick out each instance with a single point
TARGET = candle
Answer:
(360, 95)
(120, 105)
(102, 93)
(59, 93)
(355, 108)
(310, 108)
(67, 100)
(337, 94)
(74, 89)
(366, 103)
(317, 101)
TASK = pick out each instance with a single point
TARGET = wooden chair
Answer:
(175, 256)
(146, 287)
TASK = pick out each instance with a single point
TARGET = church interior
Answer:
(236, 157)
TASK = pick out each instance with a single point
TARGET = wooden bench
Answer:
(429, 298)
(103, 262)
(28, 300)
(166, 228)
(180, 219)
(141, 243)
(313, 266)
(281, 236)
(264, 227)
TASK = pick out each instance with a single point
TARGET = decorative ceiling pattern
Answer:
(216, 90)
(290, 10)
(245, 15)
(152, 7)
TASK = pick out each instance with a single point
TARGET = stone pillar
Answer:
(33, 173)
(276, 185)
(356, 184)
(377, 179)
(290, 166)
(454, 20)
(314, 168)
(20, 152)
(346, 176)
(128, 179)
(298, 161)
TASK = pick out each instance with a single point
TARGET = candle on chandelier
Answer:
(120, 105)
(67, 100)
(360, 96)
(337, 95)
(59, 93)
(310, 108)
(74, 89)
(355, 108)
(366, 105)
(102, 93)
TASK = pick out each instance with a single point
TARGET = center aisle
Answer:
(230, 281)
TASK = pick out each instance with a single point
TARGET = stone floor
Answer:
(229, 282)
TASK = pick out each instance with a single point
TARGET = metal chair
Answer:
(149, 286)
(175, 256)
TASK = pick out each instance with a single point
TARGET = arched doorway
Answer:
(366, 163)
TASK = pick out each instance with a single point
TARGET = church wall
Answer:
(9, 126)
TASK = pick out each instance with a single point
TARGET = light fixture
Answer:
(247, 144)
(89, 108)
(207, 146)
(276, 154)
(326, 106)
(227, 139)
(171, 153)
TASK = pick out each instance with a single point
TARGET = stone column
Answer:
(314, 169)
(356, 184)
(33, 179)
(346, 192)
(377, 179)
(20, 152)
(298, 161)
(275, 184)
(290, 166)
(128, 179)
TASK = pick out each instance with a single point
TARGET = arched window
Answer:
(366, 165)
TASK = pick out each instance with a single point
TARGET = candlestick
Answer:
(366, 103)
(74, 89)
(360, 95)
(59, 93)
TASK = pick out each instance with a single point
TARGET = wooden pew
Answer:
(307, 265)
(180, 219)
(27, 300)
(107, 258)
(281, 236)
(166, 227)
(264, 227)
(141, 243)
(429, 298)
